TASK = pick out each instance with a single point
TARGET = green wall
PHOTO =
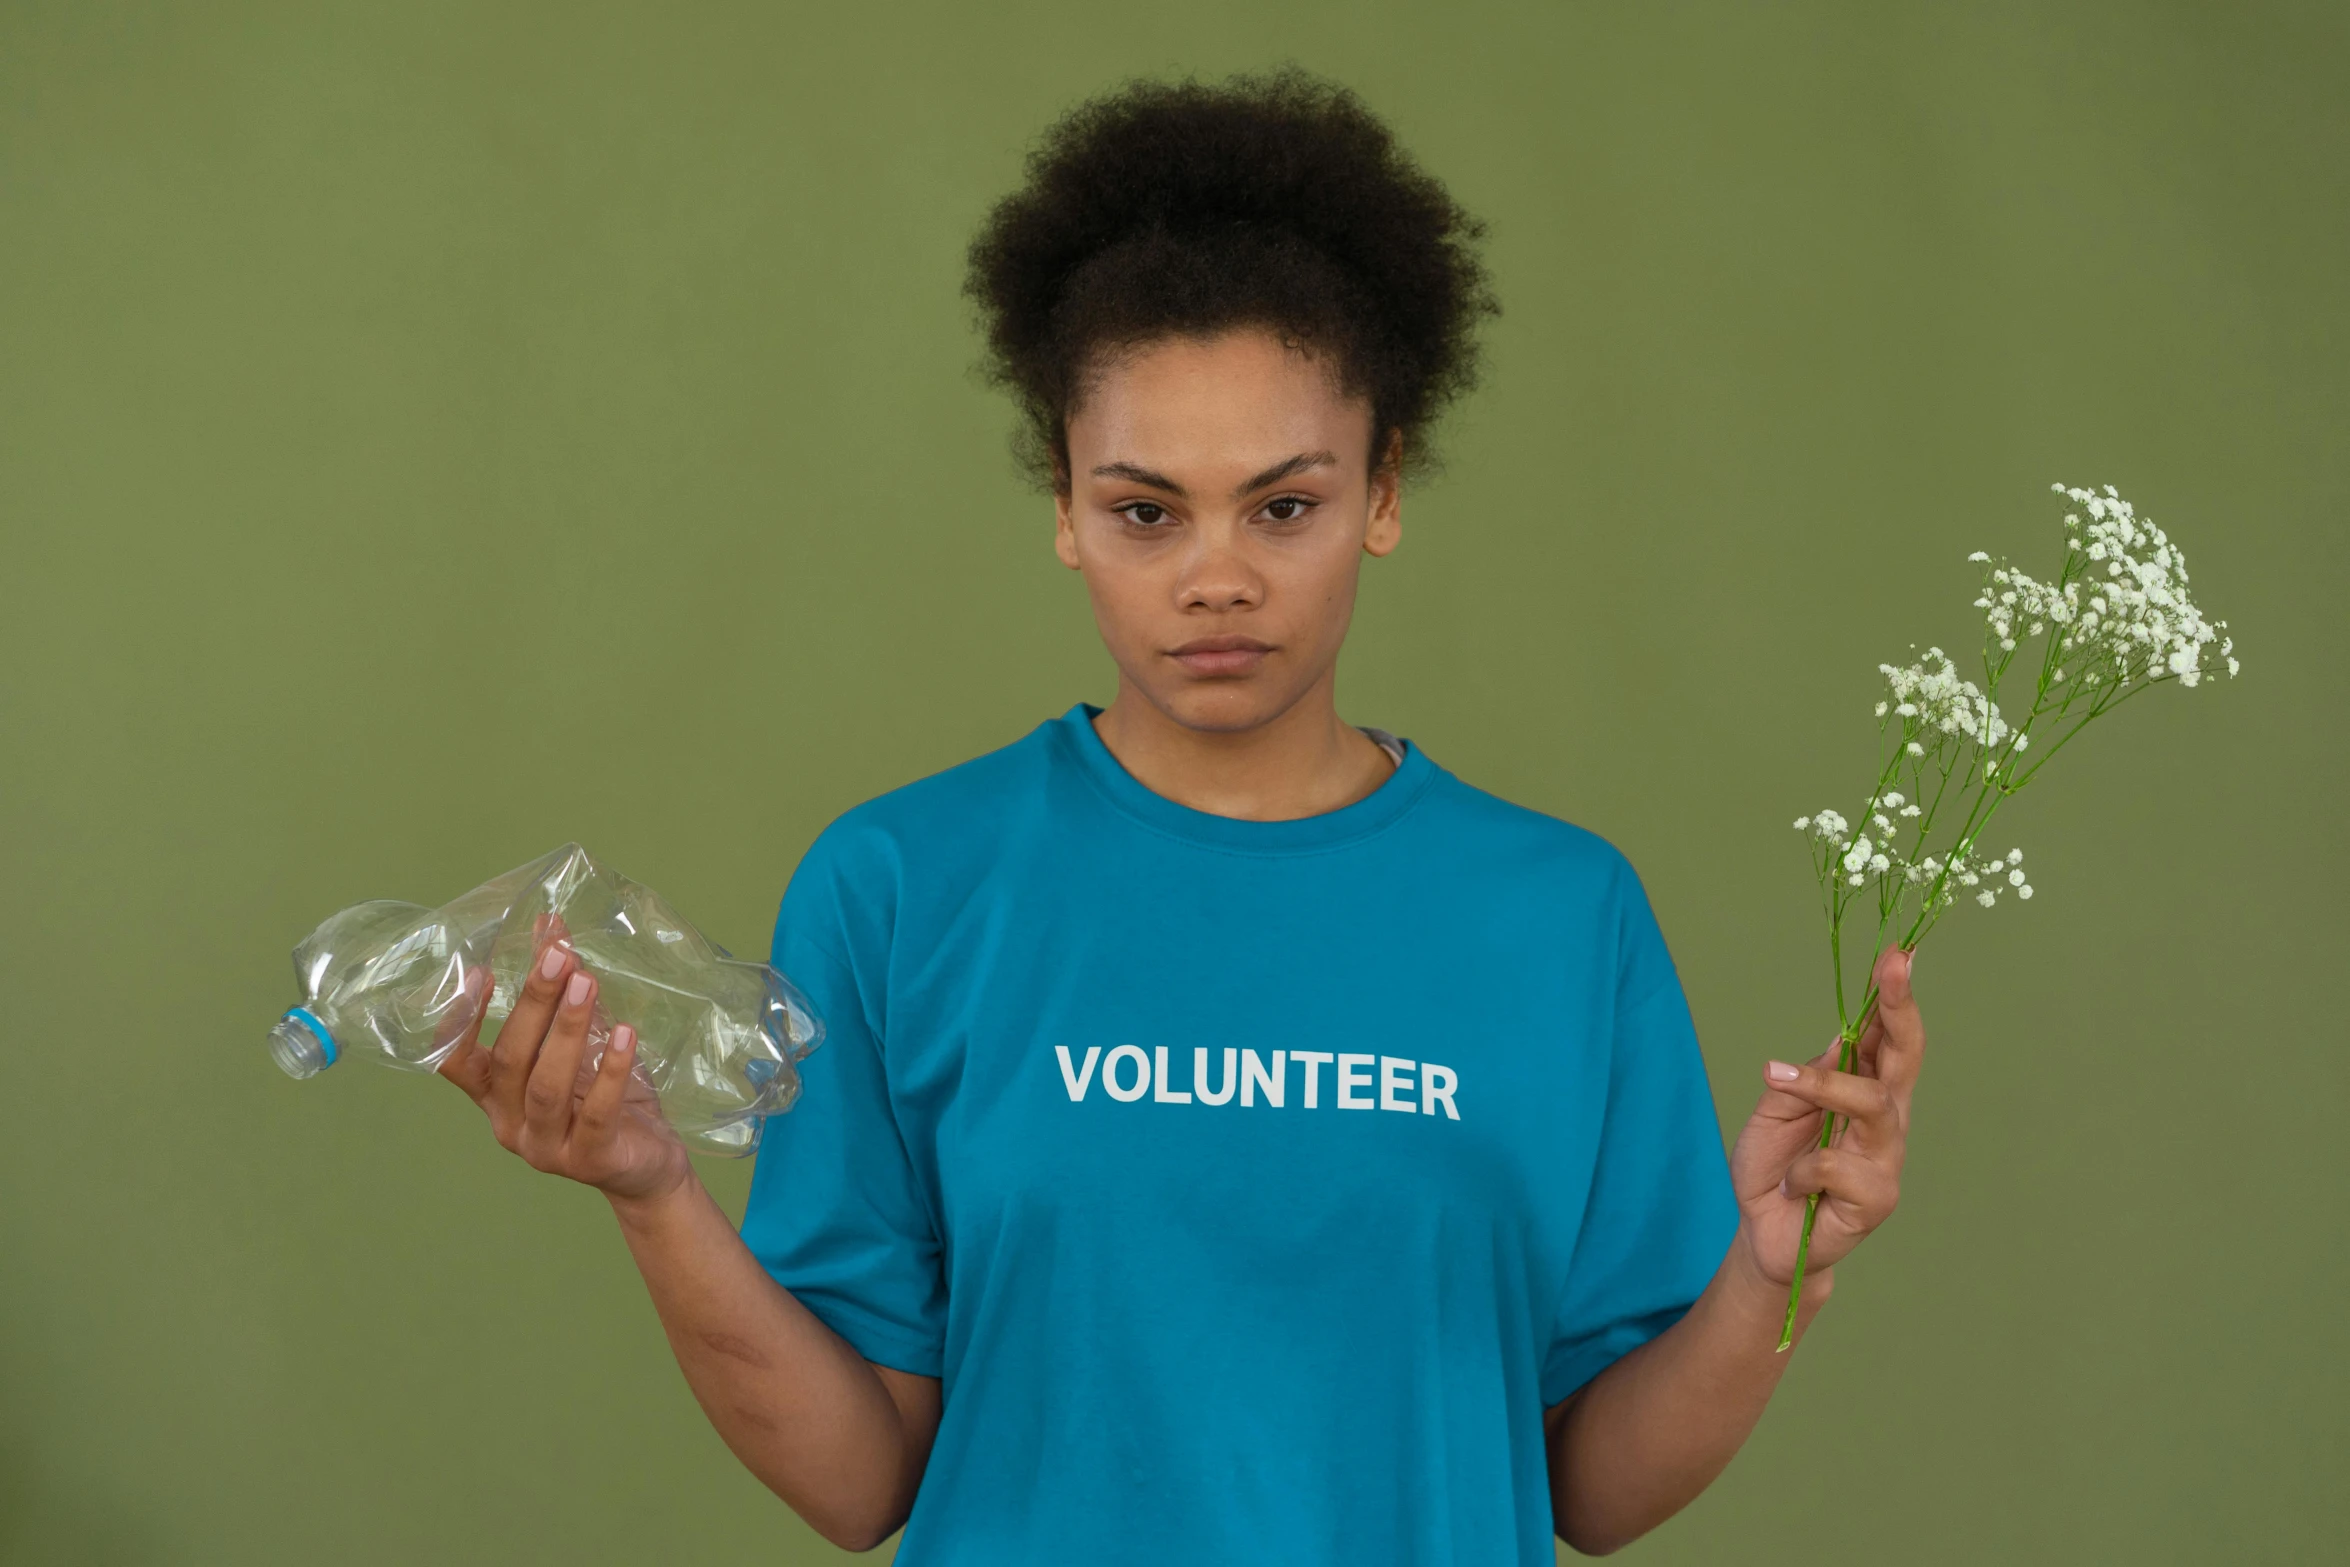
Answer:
(432, 431)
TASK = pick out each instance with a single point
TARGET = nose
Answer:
(1217, 575)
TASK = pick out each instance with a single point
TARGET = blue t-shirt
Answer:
(1251, 1186)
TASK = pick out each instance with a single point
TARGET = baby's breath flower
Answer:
(2119, 616)
(2143, 627)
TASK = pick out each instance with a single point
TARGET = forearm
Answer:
(798, 1404)
(1644, 1437)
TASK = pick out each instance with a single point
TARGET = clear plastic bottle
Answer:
(718, 1039)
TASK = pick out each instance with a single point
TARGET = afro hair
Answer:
(1181, 209)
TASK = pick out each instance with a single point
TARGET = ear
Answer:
(1064, 527)
(1385, 529)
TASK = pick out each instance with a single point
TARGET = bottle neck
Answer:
(302, 1043)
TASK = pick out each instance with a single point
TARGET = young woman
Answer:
(1238, 1139)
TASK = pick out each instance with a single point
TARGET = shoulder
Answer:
(1564, 879)
(968, 799)
(1487, 829)
(949, 814)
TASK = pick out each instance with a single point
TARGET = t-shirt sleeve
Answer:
(837, 1213)
(1661, 1212)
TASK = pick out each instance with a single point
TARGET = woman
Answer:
(1238, 1139)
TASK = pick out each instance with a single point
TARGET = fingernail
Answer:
(1909, 963)
(623, 1039)
(1781, 1072)
(575, 992)
(552, 964)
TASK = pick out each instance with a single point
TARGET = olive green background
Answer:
(429, 432)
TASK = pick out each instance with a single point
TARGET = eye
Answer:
(1147, 513)
(1287, 508)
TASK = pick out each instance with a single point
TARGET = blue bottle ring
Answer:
(309, 1020)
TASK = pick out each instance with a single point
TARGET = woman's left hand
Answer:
(1778, 1160)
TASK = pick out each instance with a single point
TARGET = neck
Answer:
(1305, 761)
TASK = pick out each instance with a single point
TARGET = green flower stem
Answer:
(1811, 1204)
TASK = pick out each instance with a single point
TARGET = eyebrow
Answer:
(1288, 467)
(1136, 473)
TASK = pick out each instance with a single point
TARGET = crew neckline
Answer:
(1373, 813)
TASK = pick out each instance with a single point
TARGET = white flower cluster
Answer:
(1988, 878)
(1876, 852)
(2121, 612)
(2117, 618)
(1937, 702)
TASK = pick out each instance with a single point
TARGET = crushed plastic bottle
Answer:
(718, 1038)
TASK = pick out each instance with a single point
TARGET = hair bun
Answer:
(1278, 200)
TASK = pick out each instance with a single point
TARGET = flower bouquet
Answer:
(2116, 621)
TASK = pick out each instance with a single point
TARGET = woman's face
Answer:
(1220, 501)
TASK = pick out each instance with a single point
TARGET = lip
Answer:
(1221, 655)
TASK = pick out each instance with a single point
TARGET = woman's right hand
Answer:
(602, 1128)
